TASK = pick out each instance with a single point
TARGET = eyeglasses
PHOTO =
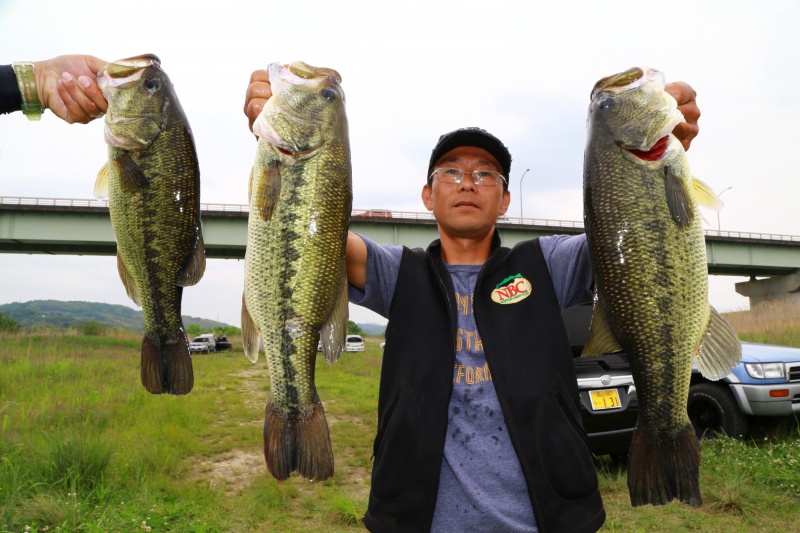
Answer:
(479, 177)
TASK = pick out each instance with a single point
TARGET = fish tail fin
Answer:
(166, 366)
(659, 471)
(180, 377)
(153, 366)
(301, 445)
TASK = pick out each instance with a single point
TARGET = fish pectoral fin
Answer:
(101, 184)
(601, 340)
(250, 334)
(720, 349)
(333, 334)
(250, 187)
(680, 204)
(128, 282)
(196, 266)
(706, 196)
(268, 189)
(131, 177)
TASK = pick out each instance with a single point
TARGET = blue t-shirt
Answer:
(481, 487)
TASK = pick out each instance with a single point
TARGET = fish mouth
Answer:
(123, 68)
(294, 74)
(123, 73)
(655, 153)
(627, 81)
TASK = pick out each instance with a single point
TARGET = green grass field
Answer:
(83, 447)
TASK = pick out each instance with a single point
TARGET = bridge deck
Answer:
(83, 227)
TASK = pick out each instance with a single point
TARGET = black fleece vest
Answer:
(528, 353)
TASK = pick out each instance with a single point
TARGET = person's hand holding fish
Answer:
(67, 87)
(258, 92)
(687, 105)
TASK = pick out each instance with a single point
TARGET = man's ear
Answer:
(505, 202)
(427, 197)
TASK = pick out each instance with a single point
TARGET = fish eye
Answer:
(328, 94)
(606, 104)
(152, 84)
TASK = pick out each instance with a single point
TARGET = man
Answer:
(479, 427)
(66, 85)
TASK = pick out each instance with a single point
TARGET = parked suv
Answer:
(203, 343)
(609, 404)
(765, 383)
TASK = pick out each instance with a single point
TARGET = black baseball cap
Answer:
(477, 137)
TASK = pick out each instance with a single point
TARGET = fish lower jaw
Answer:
(124, 143)
(656, 153)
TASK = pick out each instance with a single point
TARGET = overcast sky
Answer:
(411, 71)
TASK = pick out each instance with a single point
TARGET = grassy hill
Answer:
(58, 314)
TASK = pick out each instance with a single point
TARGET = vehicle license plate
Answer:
(604, 399)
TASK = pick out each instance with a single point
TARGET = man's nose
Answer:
(467, 185)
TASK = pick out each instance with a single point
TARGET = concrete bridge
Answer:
(83, 227)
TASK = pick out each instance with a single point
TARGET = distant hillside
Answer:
(372, 329)
(59, 314)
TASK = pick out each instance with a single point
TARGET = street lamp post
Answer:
(719, 228)
(520, 191)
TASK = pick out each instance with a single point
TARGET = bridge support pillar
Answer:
(775, 289)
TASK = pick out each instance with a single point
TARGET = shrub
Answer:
(91, 327)
(8, 324)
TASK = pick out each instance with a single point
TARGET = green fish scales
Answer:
(152, 182)
(295, 283)
(646, 242)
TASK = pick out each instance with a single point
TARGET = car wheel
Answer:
(620, 458)
(713, 411)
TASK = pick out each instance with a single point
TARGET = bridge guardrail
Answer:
(372, 214)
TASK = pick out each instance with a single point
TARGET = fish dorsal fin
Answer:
(101, 184)
(268, 189)
(720, 349)
(333, 334)
(250, 334)
(601, 339)
(128, 282)
(196, 266)
(706, 196)
(131, 177)
(681, 207)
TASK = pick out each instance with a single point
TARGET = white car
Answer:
(355, 343)
(203, 343)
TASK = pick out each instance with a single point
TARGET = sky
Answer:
(411, 71)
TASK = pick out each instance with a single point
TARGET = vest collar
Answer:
(435, 248)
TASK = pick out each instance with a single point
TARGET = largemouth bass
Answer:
(295, 286)
(647, 248)
(152, 182)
